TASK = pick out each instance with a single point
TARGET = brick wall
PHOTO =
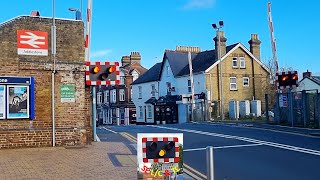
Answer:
(259, 77)
(73, 123)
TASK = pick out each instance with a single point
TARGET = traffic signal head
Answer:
(106, 73)
(287, 79)
(160, 149)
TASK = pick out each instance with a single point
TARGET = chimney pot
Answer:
(306, 74)
(35, 13)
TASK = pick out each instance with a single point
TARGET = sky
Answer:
(120, 27)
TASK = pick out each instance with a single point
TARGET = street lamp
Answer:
(220, 66)
(78, 13)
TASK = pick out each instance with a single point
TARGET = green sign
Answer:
(68, 93)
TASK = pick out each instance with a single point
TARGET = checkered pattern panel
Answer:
(176, 159)
(108, 82)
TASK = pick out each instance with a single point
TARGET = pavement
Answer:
(100, 160)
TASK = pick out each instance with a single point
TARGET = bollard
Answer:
(210, 163)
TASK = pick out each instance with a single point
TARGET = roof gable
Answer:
(153, 74)
(233, 48)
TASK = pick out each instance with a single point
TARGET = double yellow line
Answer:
(187, 169)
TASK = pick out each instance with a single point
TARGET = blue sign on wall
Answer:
(14, 80)
(17, 97)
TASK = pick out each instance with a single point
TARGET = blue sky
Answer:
(149, 27)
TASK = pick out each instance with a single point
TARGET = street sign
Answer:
(283, 101)
(33, 43)
(68, 93)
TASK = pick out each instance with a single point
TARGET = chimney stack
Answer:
(135, 57)
(188, 49)
(125, 60)
(255, 45)
(222, 44)
(306, 74)
(35, 13)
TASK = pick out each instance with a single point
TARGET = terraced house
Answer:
(163, 94)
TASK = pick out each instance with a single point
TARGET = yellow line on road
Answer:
(187, 168)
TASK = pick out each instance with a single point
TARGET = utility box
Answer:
(244, 108)
(234, 109)
(256, 107)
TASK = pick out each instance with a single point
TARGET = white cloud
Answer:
(100, 54)
(192, 4)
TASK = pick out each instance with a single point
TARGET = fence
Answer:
(298, 109)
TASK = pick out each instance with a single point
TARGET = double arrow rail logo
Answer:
(32, 40)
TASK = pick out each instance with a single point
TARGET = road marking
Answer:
(236, 146)
(196, 149)
(195, 171)
(134, 139)
(272, 144)
(223, 147)
(109, 130)
(259, 128)
(97, 138)
(124, 134)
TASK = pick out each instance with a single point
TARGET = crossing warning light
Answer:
(161, 150)
(287, 79)
(102, 73)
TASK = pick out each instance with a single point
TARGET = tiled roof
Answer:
(316, 79)
(179, 64)
(202, 61)
(153, 74)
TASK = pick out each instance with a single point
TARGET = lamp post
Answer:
(220, 67)
(78, 13)
(53, 52)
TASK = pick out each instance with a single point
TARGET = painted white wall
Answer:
(307, 84)
(146, 94)
(135, 75)
(199, 84)
(167, 77)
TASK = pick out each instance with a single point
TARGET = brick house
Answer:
(245, 77)
(72, 119)
(114, 103)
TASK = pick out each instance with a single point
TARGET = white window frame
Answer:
(233, 83)
(99, 98)
(234, 59)
(140, 112)
(121, 95)
(246, 79)
(153, 90)
(140, 92)
(189, 86)
(114, 95)
(242, 62)
(149, 111)
(106, 96)
(122, 79)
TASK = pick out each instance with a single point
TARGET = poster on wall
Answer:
(17, 102)
(68, 93)
(2, 102)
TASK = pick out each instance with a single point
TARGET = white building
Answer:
(309, 82)
(162, 94)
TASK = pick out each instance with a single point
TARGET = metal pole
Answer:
(290, 98)
(210, 163)
(266, 96)
(220, 76)
(81, 8)
(192, 85)
(53, 51)
(94, 112)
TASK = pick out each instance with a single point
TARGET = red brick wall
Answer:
(73, 122)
